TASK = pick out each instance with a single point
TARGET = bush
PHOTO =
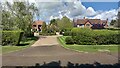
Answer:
(11, 37)
(69, 40)
(82, 31)
(107, 39)
(67, 33)
(85, 36)
(83, 40)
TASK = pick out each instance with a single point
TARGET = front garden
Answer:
(88, 40)
(14, 41)
(16, 26)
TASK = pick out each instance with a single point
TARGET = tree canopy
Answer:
(64, 23)
(18, 15)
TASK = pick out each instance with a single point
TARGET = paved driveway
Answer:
(47, 49)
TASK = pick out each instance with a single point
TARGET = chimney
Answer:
(107, 19)
(107, 22)
(84, 18)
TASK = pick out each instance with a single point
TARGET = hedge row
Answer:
(85, 36)
(11, 37)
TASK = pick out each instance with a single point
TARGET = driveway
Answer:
(47, 49)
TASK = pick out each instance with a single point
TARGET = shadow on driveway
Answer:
(54, 64)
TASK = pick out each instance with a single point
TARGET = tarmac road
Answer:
(47, 49)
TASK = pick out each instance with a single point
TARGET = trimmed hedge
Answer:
(107, 39)
(69, 40)
(67, 33)
(11, 37)
(86, 36)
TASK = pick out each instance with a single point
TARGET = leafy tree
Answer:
(20, 16)
(64, 23)
(53, 22)
(44, 28)
(53, 25)
(6, 20)
(113, 22)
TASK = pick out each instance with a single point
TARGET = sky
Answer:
(74, 9)
(92, 9)
(101, 5)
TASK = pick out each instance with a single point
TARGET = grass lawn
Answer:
(88, 48)
(29, 41)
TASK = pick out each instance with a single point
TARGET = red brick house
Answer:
(37, 25)
(90, 23)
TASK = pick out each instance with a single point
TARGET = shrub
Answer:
(69, 40)
(11, 37)
(107, 39)
(82, 31)
(82, 36)
(85, 36)
(83, 40)
(67, 33)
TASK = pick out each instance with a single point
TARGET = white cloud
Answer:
(111, 14)
(90, 11)
(77, 9)
(53, 10)
(59, 9)
(119, 9)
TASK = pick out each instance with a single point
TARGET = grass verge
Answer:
(23, 44)
(88, 48)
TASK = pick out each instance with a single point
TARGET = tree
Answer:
(20, 16)
(64, 23)
(6, 20)
(113, 22)
(53, 25)
(53, 22)
(44, 28)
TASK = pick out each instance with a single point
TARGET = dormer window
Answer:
(87, 24)
(34, 25)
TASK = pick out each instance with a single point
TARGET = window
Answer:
(78, 25)
(87, 24)
(104, 23)
(34, 25)
(39, 25)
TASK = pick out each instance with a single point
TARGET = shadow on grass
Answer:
(23, 44)
(113, 29)
(27, 41)
(33, 38)
(57, 64)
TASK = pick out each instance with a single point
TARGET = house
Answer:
(90, 23)
(37, 25)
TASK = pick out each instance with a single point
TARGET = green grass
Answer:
(23, 44)
(88, 48)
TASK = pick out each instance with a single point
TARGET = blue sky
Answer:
(100, 0)
(101, 5)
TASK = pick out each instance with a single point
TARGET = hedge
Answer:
(69, 40)
(11, 37)
(86, 36)
(67, 33)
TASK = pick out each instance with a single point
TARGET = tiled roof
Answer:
(38, 22)
(92, 21)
